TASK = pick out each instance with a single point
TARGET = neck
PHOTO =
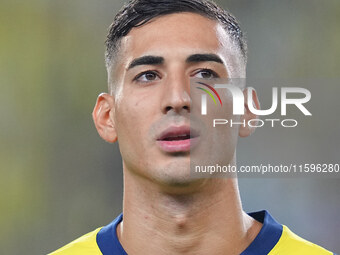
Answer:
(208, 221)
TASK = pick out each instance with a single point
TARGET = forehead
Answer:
(180, 33)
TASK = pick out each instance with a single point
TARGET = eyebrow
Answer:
(156, 60)
(146, 60)
(204, 58)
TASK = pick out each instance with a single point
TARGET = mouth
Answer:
(178, 139)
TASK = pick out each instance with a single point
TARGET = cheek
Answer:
(128, 127)
(133, 119)
(219, 141)
(127, 120)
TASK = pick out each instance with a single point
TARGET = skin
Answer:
(165, 210)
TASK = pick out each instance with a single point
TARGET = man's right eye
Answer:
(147, 76)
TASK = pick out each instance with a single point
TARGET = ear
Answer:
(103, 117)
(247, 130)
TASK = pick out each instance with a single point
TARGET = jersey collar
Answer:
(264, 242)
(268, 236)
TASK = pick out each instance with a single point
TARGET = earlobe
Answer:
(103, 117)
(249, 93)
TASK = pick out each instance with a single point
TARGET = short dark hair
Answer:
(138, 12)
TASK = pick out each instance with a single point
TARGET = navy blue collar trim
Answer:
(268, 236)
(264, 242)
(107, 239)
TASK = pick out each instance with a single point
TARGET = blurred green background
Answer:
(59, 180)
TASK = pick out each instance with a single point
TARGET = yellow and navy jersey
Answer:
(273, 239)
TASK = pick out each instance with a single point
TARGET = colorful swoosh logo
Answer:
(209, 93)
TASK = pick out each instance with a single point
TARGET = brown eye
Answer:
(206, 74)
(147, 76)
(150, 76)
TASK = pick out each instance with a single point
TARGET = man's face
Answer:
(152, 100)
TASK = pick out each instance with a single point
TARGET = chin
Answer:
(176, 177)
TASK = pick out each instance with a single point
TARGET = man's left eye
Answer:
(206, 74)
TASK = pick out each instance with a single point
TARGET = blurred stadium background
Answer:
(59, 180)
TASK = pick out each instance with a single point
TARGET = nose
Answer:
(176, 95)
